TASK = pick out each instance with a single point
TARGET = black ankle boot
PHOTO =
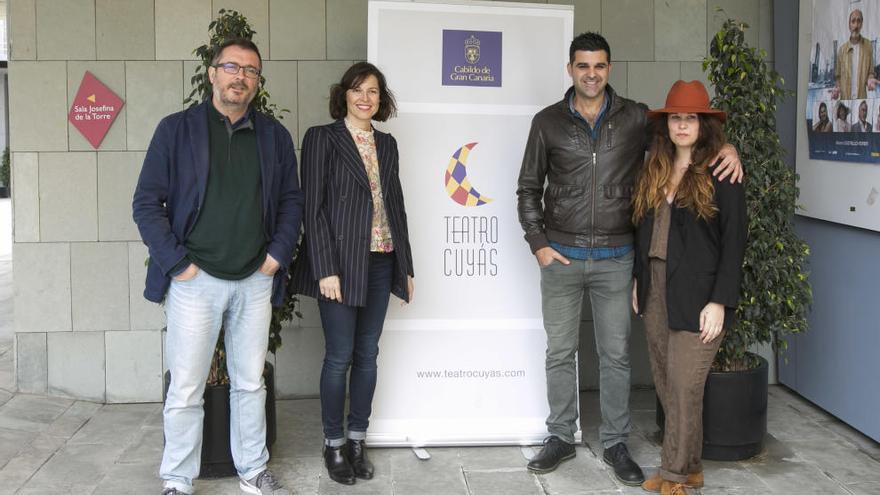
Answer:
(338, 467)
(356, 452)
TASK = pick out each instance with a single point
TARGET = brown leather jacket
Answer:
(589, 184)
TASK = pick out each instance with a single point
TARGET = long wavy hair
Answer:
(695, 191)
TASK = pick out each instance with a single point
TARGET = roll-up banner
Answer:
(464, 363)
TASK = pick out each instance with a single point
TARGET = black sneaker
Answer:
(625, 469)
(555, 451)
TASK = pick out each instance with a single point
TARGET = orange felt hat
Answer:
(687, 97)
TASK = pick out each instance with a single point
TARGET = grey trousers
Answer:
(609, 284)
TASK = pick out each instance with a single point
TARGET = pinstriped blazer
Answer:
(339, 214)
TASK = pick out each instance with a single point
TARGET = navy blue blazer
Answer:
(171, 189)
(339, 214)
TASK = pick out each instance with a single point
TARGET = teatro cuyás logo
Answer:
(458, 185)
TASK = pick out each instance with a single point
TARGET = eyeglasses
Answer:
(234, 68)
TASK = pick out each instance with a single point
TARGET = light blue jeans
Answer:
(609, 285)
(195, 310)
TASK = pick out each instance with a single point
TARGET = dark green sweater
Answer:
(228, 240)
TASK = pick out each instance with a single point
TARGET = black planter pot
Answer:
(216, 454)
(4, 192)
(734, 414)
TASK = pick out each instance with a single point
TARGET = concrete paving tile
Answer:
(39, 489)
(784, 396)
(13, 441)
(220, 486)
(5, 396)
(838, 460)
(852, 436)
(298, 474)
(864, 488)
(787, 423)
(72, 420)
(145, 447)
(508, 482)
(299, 428)
(439, 475)
(114, 425)
(583, 474)
(730, 475)
(75, 467)
(379, 485)
(22, 467)
(794, 476)
(490, 458)
(131, 478)
(31, 412)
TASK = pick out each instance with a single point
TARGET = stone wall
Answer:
(82, 326)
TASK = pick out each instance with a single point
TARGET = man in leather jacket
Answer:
(587, 149)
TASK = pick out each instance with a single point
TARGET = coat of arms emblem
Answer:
(472, 49)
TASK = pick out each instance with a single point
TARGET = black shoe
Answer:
(555, 451)
(625, 469)
(337, 465)
(357, 457)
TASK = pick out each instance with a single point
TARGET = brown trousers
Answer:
(680, 363)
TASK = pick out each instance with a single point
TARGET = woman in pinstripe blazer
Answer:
(354, 254)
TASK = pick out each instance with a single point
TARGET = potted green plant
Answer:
(4, 175)
(216, 454)
(775, 294)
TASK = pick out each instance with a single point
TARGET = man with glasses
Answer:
(218, 205)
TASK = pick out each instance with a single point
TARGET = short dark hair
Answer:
(242, 43)
(353, 78)
(590, 42)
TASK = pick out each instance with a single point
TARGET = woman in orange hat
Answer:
(690, 240)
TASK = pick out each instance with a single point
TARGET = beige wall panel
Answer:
(346, 30)
(22, 25)
(281, 83)
(134, 366)
(181, 27)
(154, 90)
(42, 287)
(26, 198)
(76, 365)
(650, 81)
(741, 10)
(257, 13)
(315, 79)
(112, 75)
(38, 106)
(68, 197)
(628, 25)
(125, 29)
(587, 15)
(30, 363)
(99, 285)
(144, 315)
(298, 29)
(66, 30)
(618, 78)
(117, 178)
(765, 29)
(680, 30)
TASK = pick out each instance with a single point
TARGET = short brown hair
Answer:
(353, 78)
(242, 43)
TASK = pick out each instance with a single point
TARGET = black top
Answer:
(703, 258)
(228, 239)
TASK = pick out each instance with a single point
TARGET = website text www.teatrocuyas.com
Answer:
(462, 373)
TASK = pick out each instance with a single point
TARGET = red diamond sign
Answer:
(94, 109)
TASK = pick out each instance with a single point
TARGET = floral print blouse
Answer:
(380, 240)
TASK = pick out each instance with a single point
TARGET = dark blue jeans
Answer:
(351, 340)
